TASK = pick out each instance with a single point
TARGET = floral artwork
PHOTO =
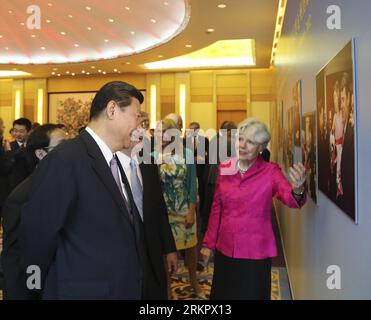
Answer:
(70, 109)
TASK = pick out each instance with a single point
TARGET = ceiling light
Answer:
(88, 8)
(63, 33)
(70, 16)
(33, 36)
(88, 73)
(43, 48)
(22, 23)
(188, 46)
(106, 40)
(67, 72)
(115, 70)
(76, 45)
(132, 32)
(279, 23)
(93, 67)
(1, 36)
(7, 48)
(127, 8)
(224, 53)
(73, 74)
(127, 62)
(82, 71)
(104, 72)
(111, 20)
(12, 73)
(58, 74)
(89, 28)
(222, 6)
(166, 3)
(55, 69)
(210, 30)
(153, 20)
(99, 70)
(53, 73)
(50, 4)
(48, 21)
(10, 11)
(160, 56)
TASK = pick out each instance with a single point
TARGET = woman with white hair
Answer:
(240, 229)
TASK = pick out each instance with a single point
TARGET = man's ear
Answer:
(40, 153)
(111, 109)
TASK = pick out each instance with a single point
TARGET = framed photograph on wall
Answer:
(70, 109)
(337, 130)
(297, 103)
(289, 141)
(309, 152)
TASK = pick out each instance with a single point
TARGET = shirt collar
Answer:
(107, 153)
(125, 159)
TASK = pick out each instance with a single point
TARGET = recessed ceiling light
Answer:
(111, 20)
(67, 72)
(55, 69)
(6, 48)
(93, 67)
(104, 72)
(166, 3)
(188, 46)
(88, 73)
(127, 62)
(153, 20)
(82, 71)
(89, 28)
(53, 73)
(76, 45)
(132, 32)
(58, 74)
(22, 23)
(70, 16)
(73, 74)
(106, 40)
(63, 33)
(88, 8)
(1, 36)
(48, 21)
(10, 11)
(222, 5)
(115, 70)
(127, 8)
(99, 70)
(50, 4)
(33, 36)
(210, 30)
(160, 56)
(43, 48)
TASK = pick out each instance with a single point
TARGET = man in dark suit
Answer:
(81, 227)
(41, 141)
(199, 145)
(21, 127)
(157, 231)
(347, 200)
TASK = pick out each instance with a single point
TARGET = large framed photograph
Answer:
(297, 100)
(70, 109)
(308, 148)
(289, 140)
(337, 130)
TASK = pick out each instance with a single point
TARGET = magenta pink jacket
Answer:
(240, 218)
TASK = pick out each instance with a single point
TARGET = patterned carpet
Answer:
(182, 290)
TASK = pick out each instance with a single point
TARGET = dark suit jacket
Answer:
(77, 229)
(14, 146)
(158, 234)
(14, 275)
(6, 167)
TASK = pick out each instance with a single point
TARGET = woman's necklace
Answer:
(242, 170)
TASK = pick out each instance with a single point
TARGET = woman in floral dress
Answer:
(178, 177)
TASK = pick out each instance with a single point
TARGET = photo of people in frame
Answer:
(336, 131)
(309, 148)
(297, 112)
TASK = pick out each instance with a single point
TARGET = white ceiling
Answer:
(178, 23)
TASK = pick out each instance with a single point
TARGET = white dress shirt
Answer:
(125, 162)
(108, 155)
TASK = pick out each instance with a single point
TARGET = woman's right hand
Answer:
(206, 254)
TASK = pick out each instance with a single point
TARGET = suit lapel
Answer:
(99, 165)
